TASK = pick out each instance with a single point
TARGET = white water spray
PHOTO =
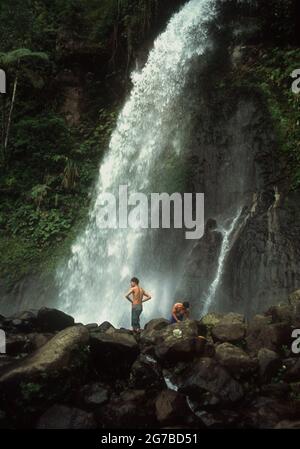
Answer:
(225, 247)
(92, 284)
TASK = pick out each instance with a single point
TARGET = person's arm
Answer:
(174, 315)
(147, 296)
(127, 296)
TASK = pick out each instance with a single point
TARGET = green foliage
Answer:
(39, 193)
(45, 185)
(30, 390)
(21, 54)
(38, 226)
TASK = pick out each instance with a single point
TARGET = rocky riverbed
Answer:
(60, 374)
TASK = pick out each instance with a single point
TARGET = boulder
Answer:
(280, 313)
(24, 343)
(214, 419)
(266, 413)
(62, 417)
(171, 407)
(17, 344)
(38, 339)
(292, 373)
(179, 342)
(6, 360)
(231, 328)
(210, 320)
(105, 327)
(286, 424)
(295, 388)
(113, 353)
(159, 331)
(278, 390)
(262, 333)
(132, 409)
(50, 320)
(174, 351)
(294, 298)
(94, 395)
(146, 371)
(3, 423)
(208, 380)
(157, 324)
(58, 355)
(21, 322)
(269, 364)
(91, 326)
(235, 360)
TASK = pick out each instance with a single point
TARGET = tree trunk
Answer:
(3, 128)
(13, 98)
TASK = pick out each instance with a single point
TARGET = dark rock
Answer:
(280, 313)
(292, 373)
(261, 333)
(105, 327)
(21, 322)
(171, 339)
(3, 422)
(95, 394)
(6, 360)
(269, 363)
(201, 265)
(295, 388)
(171, 407)
(91, 326)
(276, 390)
(265, 413)
(17, 344)
(56, 356)
(146, 371)
(210, 320)
(285, 424)
(132, 409)
(202, 329)
(209, 350)
(207, 379)
(235, 360)
(50, 320)
(178, 342)
(231, 328)
(37, 340)
(62, 417)
(184, 349)
(294, 298)
(214, 419)
(113, 353)
(157, 324)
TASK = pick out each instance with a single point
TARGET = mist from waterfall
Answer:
(149, 133)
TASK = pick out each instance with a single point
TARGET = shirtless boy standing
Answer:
(136, 296)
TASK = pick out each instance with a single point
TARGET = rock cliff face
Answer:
(234, 158)
(235, 163)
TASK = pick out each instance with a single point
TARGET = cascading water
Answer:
(225, 247)
(148, 132)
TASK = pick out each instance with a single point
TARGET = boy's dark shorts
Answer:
(135, 316)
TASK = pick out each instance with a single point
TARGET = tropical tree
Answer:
(14, 61)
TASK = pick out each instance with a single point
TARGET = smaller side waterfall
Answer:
(227, 233)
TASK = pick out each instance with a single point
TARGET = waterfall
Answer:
(225, 247)
(149, 132)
